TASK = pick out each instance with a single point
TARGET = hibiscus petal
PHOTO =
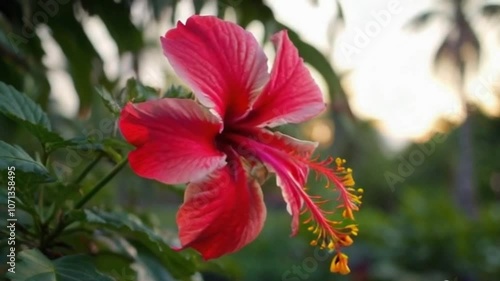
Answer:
(290, 177)
(222, 213)
(174, 140)
(291, 95)
(285, 143)
(221, 62)
(292, 199)
(279, 152)
(290, 146)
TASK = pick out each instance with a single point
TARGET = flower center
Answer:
(331, 231)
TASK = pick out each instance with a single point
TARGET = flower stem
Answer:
(87, 169)
(101, 184)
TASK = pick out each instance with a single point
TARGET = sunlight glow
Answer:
(63, 94)
(321, 132)
(389, 71)
(104, 44)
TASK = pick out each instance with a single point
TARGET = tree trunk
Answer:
(465, 191)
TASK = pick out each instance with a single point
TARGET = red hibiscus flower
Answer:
(216, 143)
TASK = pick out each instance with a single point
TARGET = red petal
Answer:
(285, 143)
(298, 172)
(174, 140)
(291, 95)
(221, 62)
(222, 213)
(278, 152)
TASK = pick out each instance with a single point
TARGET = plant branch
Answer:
(101, 184)
(87, 169)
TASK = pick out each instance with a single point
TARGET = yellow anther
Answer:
(331, 245)
(360, 190)
(314, 243)
(311, 228)
(339, 264)
(346, 241)
(353, 228)
(347, 213)
(348, 180)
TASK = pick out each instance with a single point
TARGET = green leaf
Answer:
(115, 265)
(177, 92)
(135, 91)
(12, 102)
(78, 143)
(14, 156)
(34, 266)
(109, 101)
(131, 226)
(108, 146)
(26, 112)
(151, 267)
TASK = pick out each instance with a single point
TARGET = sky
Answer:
(387, 69)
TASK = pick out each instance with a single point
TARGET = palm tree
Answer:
(462, 50)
